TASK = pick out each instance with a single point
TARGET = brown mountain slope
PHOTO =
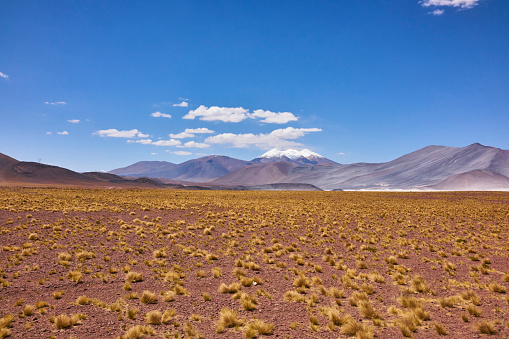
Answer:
(6, 160)
(22, 173)
(257, 174)
(478, 180)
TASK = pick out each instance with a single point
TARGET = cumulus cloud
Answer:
(114, 133)
(74, 121)
(3, 75)
(277, 138)
(202, 130)
(215, 113)
(196, 144)
(437, 12)
(63, 133)
(170, 142)
(450, 3)
(181, 135)
(273, 117)
(190, 132)
(49, 133)
(238, 114)
(180, 152)
(160, 115)
(182, 104)
(142, 141)
(55, 103)
(153, 153)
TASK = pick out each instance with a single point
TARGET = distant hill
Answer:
(474, 167)
(14, 172)
(417, 170)
(284, 187)
(476, 180)
(257, 174)
(197, 170)
(143, 168)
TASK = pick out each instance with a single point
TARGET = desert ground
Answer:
(133, 263)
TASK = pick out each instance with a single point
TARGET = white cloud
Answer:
(276, 138)
(74, 121)
(182, 104)
(341, 153)
(180, 152)
(3, 75)
(55, 103)
(153, 153)
(272, 117)
(237, 114)
(49, 133)
(293, 133)
(450, 3)
(63, 133)
(190, 132)
(170, 142)
(160, 115)
(114, 133)
(202, 130)
(437, 12)
(181, 135)
(215, 113)
(196, 144)
(142, 141)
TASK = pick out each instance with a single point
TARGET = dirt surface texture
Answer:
(132, 263)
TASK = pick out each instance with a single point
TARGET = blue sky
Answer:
(96, 85)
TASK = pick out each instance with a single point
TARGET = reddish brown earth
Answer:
(457, 242)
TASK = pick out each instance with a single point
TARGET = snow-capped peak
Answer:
(290, 153)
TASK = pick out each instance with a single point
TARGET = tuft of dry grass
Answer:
(132, 312)
(367, 310)
(439, 328)
(447, 302)
(138, 332)
(301, 281)
(148, 297)
(75, 276)
(28, 310)
(132, 277)
(6, 321)
(64, 321)
(206, 296)
(83, 300)
(232, 288)
(168, 315)
(485, 327)
(471, 296)
(228, 318)
(353, 328)
(474, 311)
(216, 272)
(154, 317)
(420, 285)
(494, 287)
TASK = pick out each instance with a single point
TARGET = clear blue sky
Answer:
(91, 85)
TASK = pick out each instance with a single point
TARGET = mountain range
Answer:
(474, 167)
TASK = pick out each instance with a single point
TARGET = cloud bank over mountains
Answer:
(282, 137)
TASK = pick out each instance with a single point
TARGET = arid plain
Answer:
(95, 263)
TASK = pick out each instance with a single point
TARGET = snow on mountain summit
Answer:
(290, 153)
